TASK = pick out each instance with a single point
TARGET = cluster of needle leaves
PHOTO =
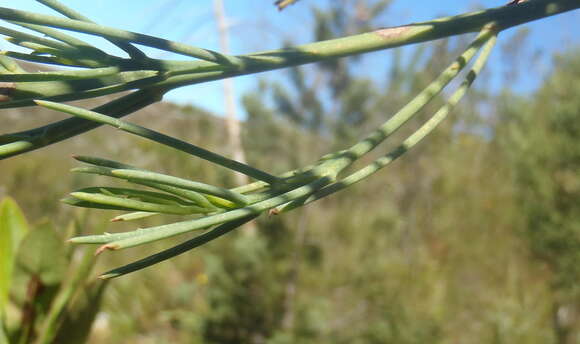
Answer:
(211, 210)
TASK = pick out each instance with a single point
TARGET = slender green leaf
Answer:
(95, 198)
(179, 249)
(133, 216)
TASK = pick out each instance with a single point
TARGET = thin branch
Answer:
(62, 9)
(179, 249)
(114, 34)
(412, 140)
(161, 138)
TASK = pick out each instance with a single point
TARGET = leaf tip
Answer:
(108, 275)
(106, 247)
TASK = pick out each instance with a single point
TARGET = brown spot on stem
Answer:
(392, 32)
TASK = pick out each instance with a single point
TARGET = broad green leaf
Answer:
(13, 227)
(42, 253)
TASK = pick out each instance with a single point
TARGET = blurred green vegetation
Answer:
(471, 238)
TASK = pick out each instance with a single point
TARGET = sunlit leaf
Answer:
(13, 228)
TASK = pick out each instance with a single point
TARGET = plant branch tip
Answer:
(104, 248)
(107, 276)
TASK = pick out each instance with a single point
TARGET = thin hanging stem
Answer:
(347, 157)
(416, 137)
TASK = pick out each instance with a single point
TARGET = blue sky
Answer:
(257, 25)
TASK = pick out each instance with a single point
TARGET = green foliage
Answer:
(50, 265)
(44, 284)
(431, 251)
(13, 228)
(391, 261)
(542, 138)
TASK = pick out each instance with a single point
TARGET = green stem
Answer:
(83, 88)
(55, 132)
(50, 60)
(347, 157)
(60, 75)
(159, 178)
(504, 17)
(131, 204)
(70, 13)
(32, 38)
(146, 235)
(115, 34)
(161, 138)
(413, 139)
(71, 42)
(179, 249)
(196, 197)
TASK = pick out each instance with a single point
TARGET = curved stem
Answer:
(348, 156)
(413, 139)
